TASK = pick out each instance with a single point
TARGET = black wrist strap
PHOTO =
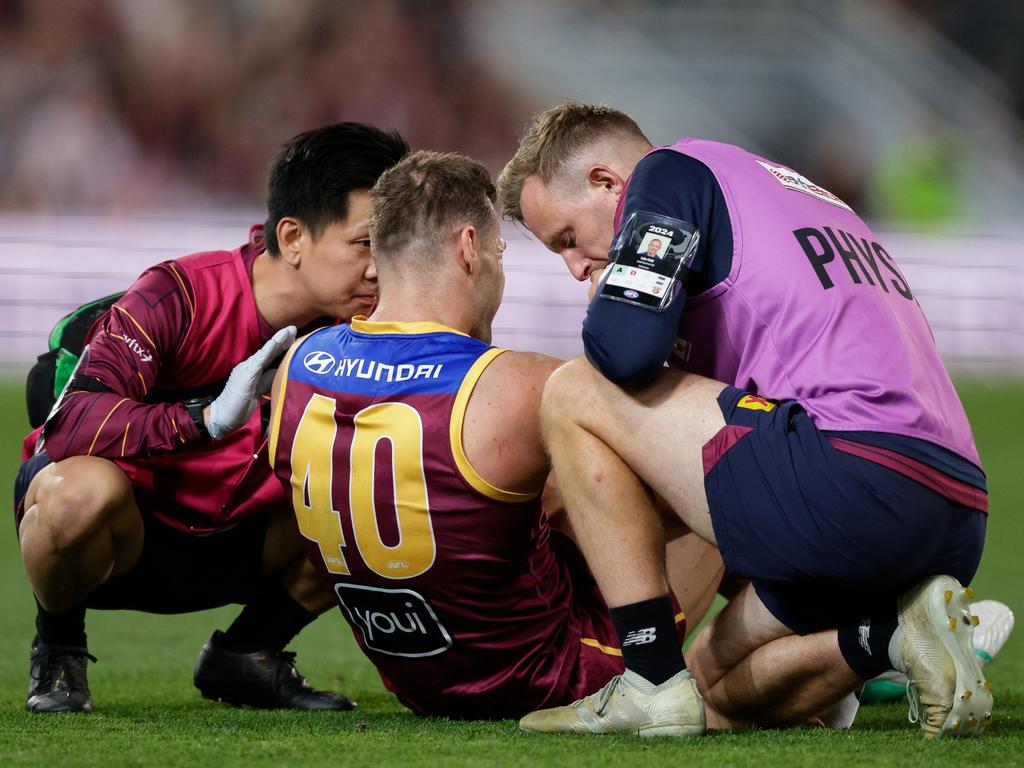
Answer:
(195, 409)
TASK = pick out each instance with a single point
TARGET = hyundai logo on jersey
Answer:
(319, 362)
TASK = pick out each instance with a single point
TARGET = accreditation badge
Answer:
(646, 260)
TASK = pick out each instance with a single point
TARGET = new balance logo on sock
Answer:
(864, 635)
(640, 637)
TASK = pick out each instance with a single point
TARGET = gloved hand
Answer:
(249, 381)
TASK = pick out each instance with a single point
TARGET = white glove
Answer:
(249, 381)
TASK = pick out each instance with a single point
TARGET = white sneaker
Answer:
(933, 646)
(629, 704)
(990, 635)
(841, 714)
(994, 628)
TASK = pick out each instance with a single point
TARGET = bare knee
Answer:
(76, 498)
(567, 391)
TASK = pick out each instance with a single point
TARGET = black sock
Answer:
(66, 628)
(865, 646)
(268, 623)
(648, 638)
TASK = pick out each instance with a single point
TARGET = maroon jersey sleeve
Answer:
(139, 334)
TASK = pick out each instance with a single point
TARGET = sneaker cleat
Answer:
(57, 678)
(947, 689)
(629, 704)
(261, 679)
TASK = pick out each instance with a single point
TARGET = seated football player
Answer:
(412, 454)
(148, 488)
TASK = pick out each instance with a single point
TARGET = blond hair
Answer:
(551, 139)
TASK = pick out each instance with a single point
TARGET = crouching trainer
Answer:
(806, 425)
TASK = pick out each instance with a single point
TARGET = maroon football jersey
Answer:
(459, 592)
(177, 333)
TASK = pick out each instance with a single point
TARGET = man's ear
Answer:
(290, 232)
(467, 243)
(603, 176)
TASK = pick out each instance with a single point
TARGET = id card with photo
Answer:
(646, 260)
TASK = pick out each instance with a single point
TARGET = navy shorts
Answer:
(177, 572)
(826, 537)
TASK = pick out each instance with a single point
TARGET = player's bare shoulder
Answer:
(521, 375)
(501, 431)
(510, 389)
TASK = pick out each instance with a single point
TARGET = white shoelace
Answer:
(914, 715)
(606, 694)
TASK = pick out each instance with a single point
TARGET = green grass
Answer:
(149, 714)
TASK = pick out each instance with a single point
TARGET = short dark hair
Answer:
(315, 171)
(423, 196)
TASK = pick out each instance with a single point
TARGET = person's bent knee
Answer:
(77, 497)
(567, 391)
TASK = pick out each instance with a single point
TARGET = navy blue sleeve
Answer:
(630, 344)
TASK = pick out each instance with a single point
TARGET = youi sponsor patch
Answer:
(792, 180)
(398, 622)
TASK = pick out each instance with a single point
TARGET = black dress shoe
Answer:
(263, 679)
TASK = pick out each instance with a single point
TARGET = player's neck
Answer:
(277, 296)
(417, 307)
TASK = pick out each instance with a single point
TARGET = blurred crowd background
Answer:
(131, 104)
(127, 105)
(133, 131)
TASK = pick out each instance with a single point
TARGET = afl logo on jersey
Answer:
(319, 362)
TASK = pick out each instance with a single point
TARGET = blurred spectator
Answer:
(117, 105)
(127, 104)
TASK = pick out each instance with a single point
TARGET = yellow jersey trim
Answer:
(184, 291)
(275, 416)
(104, 423)
(466, 469)
(361, 325)
(617, 651)
(135, 322)
(602, 648)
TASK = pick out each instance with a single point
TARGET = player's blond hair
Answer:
(419, 201)
(551, 139)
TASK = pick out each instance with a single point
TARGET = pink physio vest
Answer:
(816, 310)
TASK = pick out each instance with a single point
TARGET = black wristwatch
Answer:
(195, 408)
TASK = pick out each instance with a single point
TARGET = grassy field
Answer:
(148, 713)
